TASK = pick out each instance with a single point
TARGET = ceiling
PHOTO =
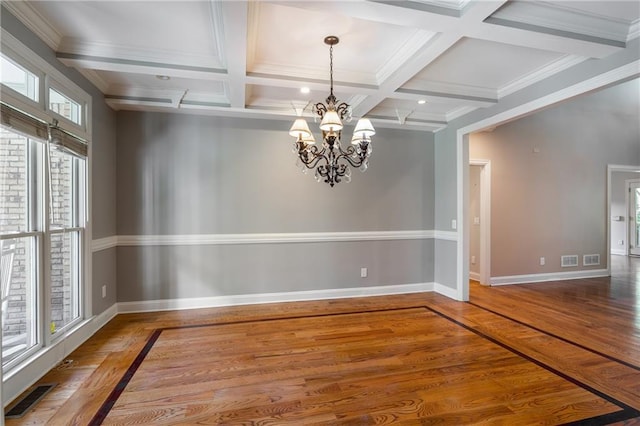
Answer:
(251, 58)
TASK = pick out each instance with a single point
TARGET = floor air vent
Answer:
(28, 401)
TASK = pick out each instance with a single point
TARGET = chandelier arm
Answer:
(320, 109)
(348, 156)
(316, 157)
(343, 110)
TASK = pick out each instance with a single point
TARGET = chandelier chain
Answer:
(331, 66)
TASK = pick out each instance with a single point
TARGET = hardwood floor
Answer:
(553, 353)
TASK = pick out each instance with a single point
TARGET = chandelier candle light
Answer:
(330, 161)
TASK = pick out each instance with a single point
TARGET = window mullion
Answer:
(45, 213)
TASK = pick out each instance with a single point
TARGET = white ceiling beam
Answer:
(140, 67)
(471, 24)
(294, 83)
(405, 71)
(234, 15)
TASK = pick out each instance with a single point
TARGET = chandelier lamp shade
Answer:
(332, 162)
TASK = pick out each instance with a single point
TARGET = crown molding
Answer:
(407, 51)
(565, 19)
(127, 53)
(554, 67)
(634, 30)
(94, 77)
(35, 22)
(451, 90)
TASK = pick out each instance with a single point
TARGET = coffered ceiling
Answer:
(251, 58)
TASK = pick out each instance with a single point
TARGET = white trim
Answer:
(546, 71)
(445, 235)
(611, 168)
(21, 378)
(272, 238)
(35, 22)
(485, 220)
(267, 238)
(629, 226)
(474, 276)
(104, 243)
(551, 276)
(449, 292)
(619, 252)
(252, 299)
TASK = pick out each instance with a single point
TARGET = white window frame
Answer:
(18, 377)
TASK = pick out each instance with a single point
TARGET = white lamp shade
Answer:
(364, 129)
(309, 140)
(331, 121)
(300, 129)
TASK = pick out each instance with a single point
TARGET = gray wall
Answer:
(579, 78)
(549, 179)
(445, 208)
(188, 174)
(103, 167)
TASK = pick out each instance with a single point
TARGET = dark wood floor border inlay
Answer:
(564, 339)
(108, 404)
(626, 413)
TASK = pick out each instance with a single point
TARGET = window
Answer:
(63, 105)
(43, 211)
(65, 211)
(20, 244)
(18, 78)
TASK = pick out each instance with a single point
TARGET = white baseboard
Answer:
(552, 276)
(444, 290)
(20, 379)
(619, 252)
(251, 299)
(474, 276)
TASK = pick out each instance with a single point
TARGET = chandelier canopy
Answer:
(332, 161)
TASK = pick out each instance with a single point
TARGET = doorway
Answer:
(480, 221)
(633, 205)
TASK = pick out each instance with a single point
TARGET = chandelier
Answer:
(331, 163)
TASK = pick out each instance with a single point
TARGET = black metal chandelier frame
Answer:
(328, 160)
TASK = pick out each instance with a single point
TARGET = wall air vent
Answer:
(569, 261)
(591, 259)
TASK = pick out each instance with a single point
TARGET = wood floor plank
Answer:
(419, 358)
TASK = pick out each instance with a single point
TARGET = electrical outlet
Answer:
(104, 291)
(454, 224)
(473, 260)
(363, 272)
(542, 261)
(620, 242)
